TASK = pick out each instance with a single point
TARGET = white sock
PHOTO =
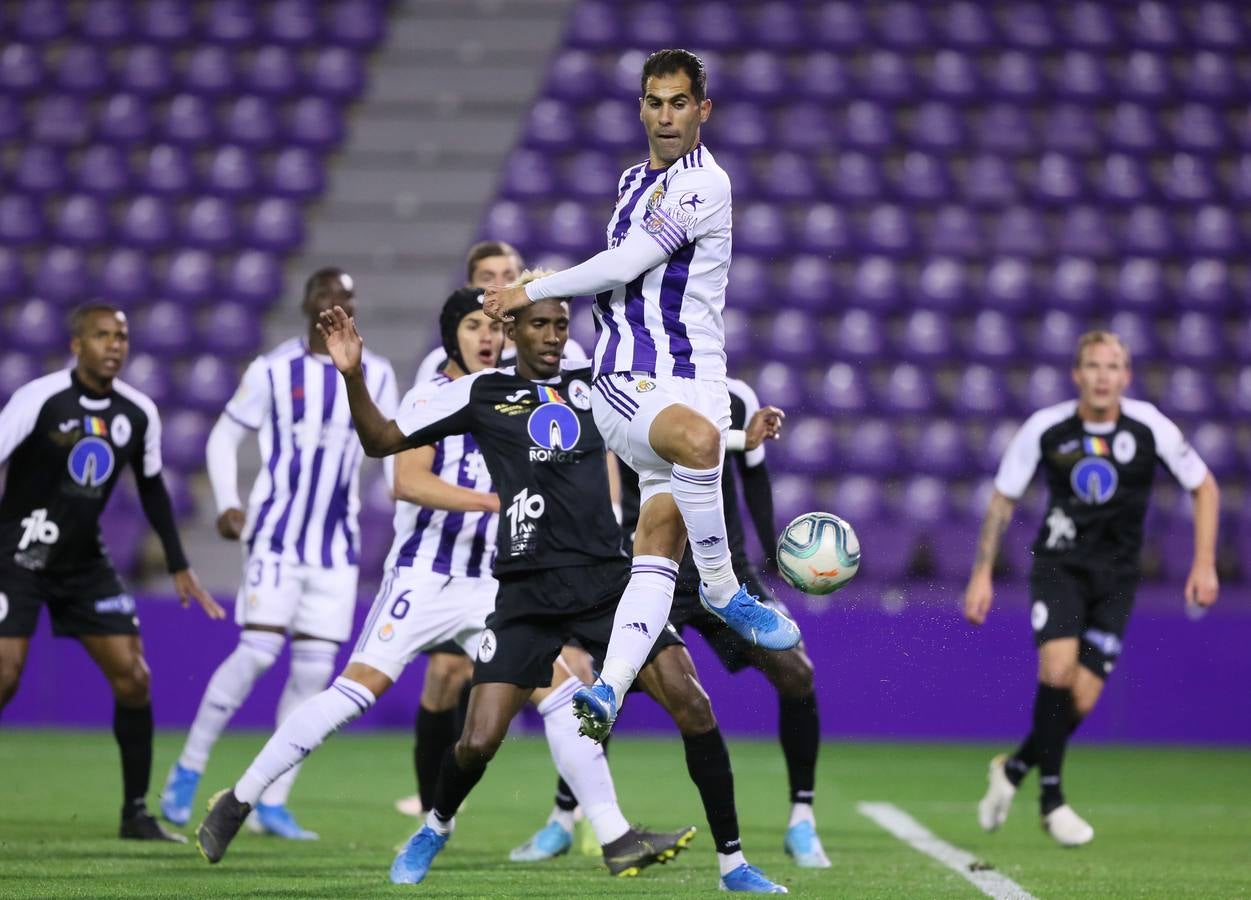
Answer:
(312, 664)
(581, 763)
(226, 691)
(728, 862)
(801, 812)
(437, 824)
(697, 492)
(641, 614)
(309, 724)
(562, 817)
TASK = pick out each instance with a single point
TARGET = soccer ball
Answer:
(818, 553)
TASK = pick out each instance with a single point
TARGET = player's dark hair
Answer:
(484, 249)
(666, 62)
(328, 279)
(79, 316)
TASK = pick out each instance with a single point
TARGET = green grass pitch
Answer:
(1170, 823)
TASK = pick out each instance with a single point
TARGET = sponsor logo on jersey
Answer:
(1038, 615)
(1104, 641)
(657, 195)
(523, 513)
(640, 627)
(1124, 447)
(515, 396)
(38, 529)
(555, 430)
(487, 645)
(548, 394)
(122, 603)
(1094, 480)
(91, 461)
(642, 386)
(516, 403)
(69, 425)
(580, 394)
(120, 430)
(386, 632)
(4, 606)
(1096, 446)
(94, 425)
(1061, 530)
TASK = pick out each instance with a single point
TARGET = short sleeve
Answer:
(251, 401)
(1177, 453)
(1020, 461)
(432, 411)
(696, 203)
(152, 462)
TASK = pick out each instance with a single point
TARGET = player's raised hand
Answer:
(765, 424)
(977, 598)
(343, 341)
(1202, 586)
(188, 587)
(230, 523)
(499, 302)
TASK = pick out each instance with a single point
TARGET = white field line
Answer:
(963, 863)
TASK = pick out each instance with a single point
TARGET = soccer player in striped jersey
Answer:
(300, 538)
(660, 396)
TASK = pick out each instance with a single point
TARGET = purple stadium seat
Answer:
(1187, 392)
(510, 222)
(791, 178)
(956, 231)
(1075, 284)
(295, 172)
(11, 122)
(39, 21)
(1084, 230)
(887, 229)
(613, 125)
(1045, 386)
(124, 120)
(146, 71)
(1058, 181)
(969, 25)
(1020, 231)
(823, 229)
(232, 172)
(255, 277)
(290, 22)
(209, 222)
(1133, 128)
(206, 383)
(594, 25)
(737, 165)
(877, 284)
(82, 69)
(104, 21)
(1214, 231)
(1141, 285)
(528, 174)
(856, 178)
(926, 335)
(81, 220)
(1091, 24)
(16, 369)
(781, 385)
(338, 73)
(942, 284)
(102, 171)
(937, 127)
(41, 326)
(184, 435)
(872, 449)
(1200, 128)
(164, 329)
(167, 170)
(1239, 395)
(738, 125)
(922, 179)
(209, 71)
(809, 282)
(125, 276)
(841, 390)
(991, 338)
(867, 126)
(571, 229)
(750, 288)
(40, 170)
(989, 182)
(354, 23)
(1080, 77)
(591, 176)
(839, 25)
(761, 76)
(274, 71)
(809, 446)
(887, 78)
(1009, 286)
(1146, 78)
(761, 229)
(62, 276)
(981, 391)
(903, 26)
(1147, 232)
(1212, 78)
(229, 22)
(1004, 128)
(1155, 25)
(954, 77)
(806, 126)
(252, 121)
(1070, 128)
(925, 502)
(21, 69)
(188, 119)
(1015, 76)
(1218, 25)
(315, 122)
(858, 499)
(1216, 446)
(646, 24)
(12, 275)
(1136, 331)
(21, 220)
(230, 329)
(1206, 285)
(550, 125)
(190, 276)
(907, 390)
(1239, 180)
(148, 222)
(1189, 179)
(1197, 339)
(720, 26)
(739, 340)
(1123, 180)
(858, 336)
(60, 120)
(1056, 337)
(165, 21)
(1028, 26)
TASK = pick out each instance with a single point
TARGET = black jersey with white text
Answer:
(545, 456)
(1099, 477)
(66, 447)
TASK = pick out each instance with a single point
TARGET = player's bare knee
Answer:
(792, 673)
(476, 748)
(133, 685)
(690, 709)
(1057, 673)
(702, 443)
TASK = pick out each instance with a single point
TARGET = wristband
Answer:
(735, 440)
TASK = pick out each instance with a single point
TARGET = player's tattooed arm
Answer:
(379, 436)
(1202, 584)
(979, 592)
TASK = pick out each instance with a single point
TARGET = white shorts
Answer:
(300, 598)
(416, 609)
(625, 405)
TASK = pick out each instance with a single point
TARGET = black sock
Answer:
(453, 786)
(132, 728)
(1026, 755)
(1053, 722)
(799, 731)
(564, 796)
(436, 731)
(708, 762)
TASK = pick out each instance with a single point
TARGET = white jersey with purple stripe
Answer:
(460, 544)
(305, 500)
(668, 321)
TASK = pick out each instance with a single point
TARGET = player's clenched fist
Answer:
(499, 302)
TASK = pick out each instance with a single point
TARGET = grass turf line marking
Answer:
(921, 839)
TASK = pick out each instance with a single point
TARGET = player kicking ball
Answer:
(659, 375)
(1099, 454)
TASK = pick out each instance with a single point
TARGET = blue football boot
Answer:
(596, 706)
(413, 862)
(548, 842)
(803, 846)
(755, 622)
(179, 794)
(277, 820)
(747, 879)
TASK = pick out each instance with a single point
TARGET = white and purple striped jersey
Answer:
(305, 500)
(668, 320)
(460, 544)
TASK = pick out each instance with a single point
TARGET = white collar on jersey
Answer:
(1099, 427)
(94, 404)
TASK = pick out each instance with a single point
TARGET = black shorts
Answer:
(538, 613)
(734, 651)
(1092, 604)
(83, 602)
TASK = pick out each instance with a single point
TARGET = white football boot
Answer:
(1067, 827)
(992, 810)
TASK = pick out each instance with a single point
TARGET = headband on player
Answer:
(455, 308)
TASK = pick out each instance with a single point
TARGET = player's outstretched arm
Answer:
(417, 483)
(980, 591)
(379, 436)
(1202, 585)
